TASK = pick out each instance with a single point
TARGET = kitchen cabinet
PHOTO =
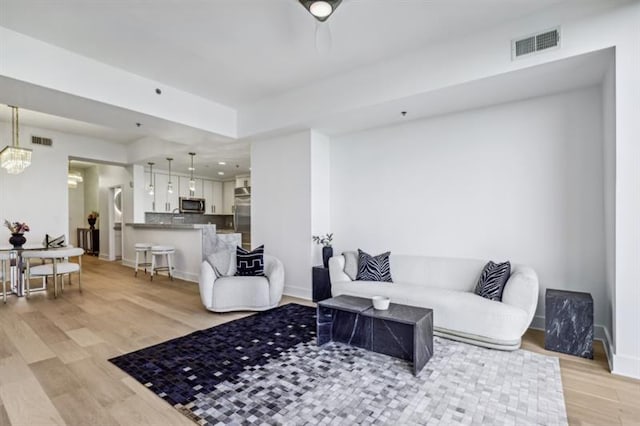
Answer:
(183, 183)
(149, 200)
(243, 181)
(212, 191)
(229, 196)
(218, 197)
(165, 201)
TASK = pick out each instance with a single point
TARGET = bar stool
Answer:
(160, 251)
(4, 273)
(143, 248)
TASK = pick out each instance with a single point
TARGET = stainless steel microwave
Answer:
(192, 205)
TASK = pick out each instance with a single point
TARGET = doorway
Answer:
(115, 222)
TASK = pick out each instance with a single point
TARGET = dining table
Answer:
(17, 265)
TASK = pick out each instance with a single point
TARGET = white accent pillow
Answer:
(351, 264)
(223, 259)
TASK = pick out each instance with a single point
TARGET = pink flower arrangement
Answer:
(16, 227)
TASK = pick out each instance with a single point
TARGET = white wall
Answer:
(39, 195)
(609, 163)
(320, 190)
(521, 181)
(76, 211)
(626, 359)
(281, 205)
(91, 186)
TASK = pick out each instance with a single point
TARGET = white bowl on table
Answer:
(380, 303)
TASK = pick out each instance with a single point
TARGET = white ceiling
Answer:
(238, 51)
(66, 125)
(235, 155)
(552, 77)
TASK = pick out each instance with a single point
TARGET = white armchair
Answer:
(240, 293)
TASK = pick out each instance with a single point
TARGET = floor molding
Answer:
(627, 366)
(302, 293)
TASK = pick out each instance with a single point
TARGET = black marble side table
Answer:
(404, 332)
(321, 284)
(569, 322)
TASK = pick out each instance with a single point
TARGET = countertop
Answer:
(168, 225)
(178, 226)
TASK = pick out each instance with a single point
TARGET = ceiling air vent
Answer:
(39, 140)
(535, 43)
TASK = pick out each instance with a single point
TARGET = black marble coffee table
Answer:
(402, 331)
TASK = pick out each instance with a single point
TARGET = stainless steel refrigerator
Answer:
(242, 215)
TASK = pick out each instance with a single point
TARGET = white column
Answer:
(626, 360)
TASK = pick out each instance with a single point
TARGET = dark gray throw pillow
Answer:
(373, 268)
(492, 280)
(250, 263)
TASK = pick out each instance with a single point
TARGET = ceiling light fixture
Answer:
(221, 173)
(222, 163)
(192, 182)
(73, 179)
(150, 187)
(169, 184)
(321, 9)
(12, 157)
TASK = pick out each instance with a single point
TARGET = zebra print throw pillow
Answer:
(373, 268)
(492, 280)
(250, 263)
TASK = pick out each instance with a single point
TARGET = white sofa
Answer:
(447, 285)
(236, 293)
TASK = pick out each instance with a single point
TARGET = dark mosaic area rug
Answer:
(267, 369)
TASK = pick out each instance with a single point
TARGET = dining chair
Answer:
(60, 266)
(4, 274)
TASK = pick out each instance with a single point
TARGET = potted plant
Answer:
(327, 250)
(92, 218)
(17, 230)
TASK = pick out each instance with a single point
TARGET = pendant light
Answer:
(170, 184)
(192, 182)
(150, 188)
(12, 157)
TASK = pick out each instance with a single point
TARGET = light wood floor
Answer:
(54, 368)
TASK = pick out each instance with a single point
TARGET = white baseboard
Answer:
(302, 293)
(600, 332)
(186, 276)
(628, 366)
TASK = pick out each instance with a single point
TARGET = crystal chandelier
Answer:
(13, 158)
(192, 182)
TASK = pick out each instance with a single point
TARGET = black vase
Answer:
(17, 240)
(327, 253)
(92, 222)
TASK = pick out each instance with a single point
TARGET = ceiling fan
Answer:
(321, 9)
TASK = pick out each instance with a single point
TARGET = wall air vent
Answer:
(535, 43)
(39, 140)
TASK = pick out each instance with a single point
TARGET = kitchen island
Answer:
(186, 238)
